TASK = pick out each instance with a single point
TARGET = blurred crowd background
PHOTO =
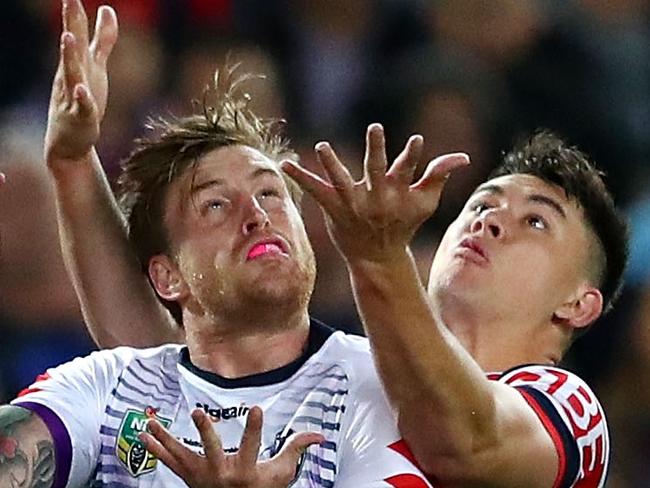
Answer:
(469, 75)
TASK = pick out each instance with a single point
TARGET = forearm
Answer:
(445, 404)
(26, 449)
(115, 297)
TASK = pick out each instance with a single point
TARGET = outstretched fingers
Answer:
(159, 442)
(375, 162)
(105, 36)
(286, 461)
(210, 439)
(75, 20)
(404, 166)
(439, 169)
(307, 180)
(336, 171)
(251, 440)
(70, 63)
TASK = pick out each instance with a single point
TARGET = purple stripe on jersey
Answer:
(161, 375)
(317, 479)
(323, 463)
(61, 437)
(106, 430)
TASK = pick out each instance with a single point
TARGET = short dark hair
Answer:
(177, 144)
(550, 158)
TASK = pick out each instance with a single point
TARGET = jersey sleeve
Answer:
(574, 419)
(71, 400)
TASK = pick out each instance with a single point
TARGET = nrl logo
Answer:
(129, 448)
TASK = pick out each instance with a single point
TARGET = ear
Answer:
(582, 310)
(166, 278)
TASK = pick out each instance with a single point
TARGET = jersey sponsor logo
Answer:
(227, 413)
(129, 448)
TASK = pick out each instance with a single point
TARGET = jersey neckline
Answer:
(318, 335)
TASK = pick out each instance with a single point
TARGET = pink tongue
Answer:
(263, 249)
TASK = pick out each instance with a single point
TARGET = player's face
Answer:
(518, 249)
(237, 236)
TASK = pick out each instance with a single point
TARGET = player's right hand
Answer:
(217, 469)
(80, 87)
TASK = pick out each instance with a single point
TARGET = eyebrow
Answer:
(544, 200)
(535, 198)
(259, 172)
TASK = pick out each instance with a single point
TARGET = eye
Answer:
(214, 204)
(536, 222)
(269, 192)
(479, 207)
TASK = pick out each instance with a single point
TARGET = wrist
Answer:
(62, 165)
(394, 260)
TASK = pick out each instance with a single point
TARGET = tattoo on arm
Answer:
(26, 450)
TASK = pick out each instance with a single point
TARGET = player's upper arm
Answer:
(553, 433)
(27, 456)
(70, 401)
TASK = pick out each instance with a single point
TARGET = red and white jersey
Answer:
(572, 416)
(95, 407)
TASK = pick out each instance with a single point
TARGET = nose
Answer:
(491, 223)
(255, 217)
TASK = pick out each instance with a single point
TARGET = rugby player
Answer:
(532, 260)
(215, 225)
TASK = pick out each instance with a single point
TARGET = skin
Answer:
(26, 450)
(84, 201)
(432, 351)
(482, 431)
(214, 217)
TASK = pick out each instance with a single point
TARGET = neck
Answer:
(498, 343)
(250, 346)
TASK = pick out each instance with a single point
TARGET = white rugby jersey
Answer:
(95, 407)
(572, 416)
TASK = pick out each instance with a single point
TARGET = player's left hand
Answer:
(218, 469)
(370, 219)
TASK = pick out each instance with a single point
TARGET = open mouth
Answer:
(267, 248)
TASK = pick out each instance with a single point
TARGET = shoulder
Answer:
(565, 388)
(102, 368)
(572, 414)
(351, 352)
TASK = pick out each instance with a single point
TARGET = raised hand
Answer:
(80, 87)
(220, 470)
(370, 219)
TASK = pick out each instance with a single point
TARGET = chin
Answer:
(280, 285)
